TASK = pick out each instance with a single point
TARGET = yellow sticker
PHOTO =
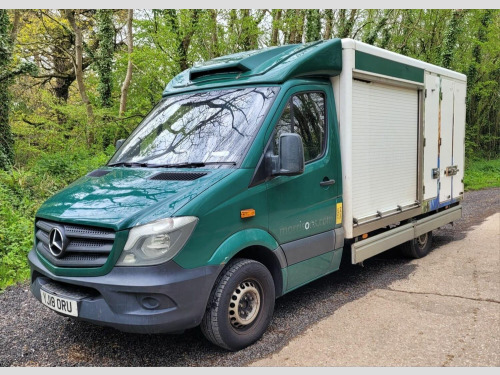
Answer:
(339, 214)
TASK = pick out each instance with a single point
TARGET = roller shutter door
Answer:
(384, 148)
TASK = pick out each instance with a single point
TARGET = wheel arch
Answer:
(270, 260)
(258, 245)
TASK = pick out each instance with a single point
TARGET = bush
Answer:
(23, 190)
(481, 174)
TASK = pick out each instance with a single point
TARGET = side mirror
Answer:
(119, 143)
(291, 156)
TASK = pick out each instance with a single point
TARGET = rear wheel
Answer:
(241, 305)
(418, 247)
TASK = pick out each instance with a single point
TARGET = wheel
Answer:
(240, 306)
(418, 247)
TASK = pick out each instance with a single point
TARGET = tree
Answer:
(104, 58)
(128, 77)
(329, 15)
(78, 67)
(6, 139)
(8, 36)
(450, 39)
(346, 24)
(313, 25)
(276, 14)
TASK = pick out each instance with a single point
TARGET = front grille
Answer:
(84, 246)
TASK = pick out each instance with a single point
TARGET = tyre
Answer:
(240, 306)
(418, 247)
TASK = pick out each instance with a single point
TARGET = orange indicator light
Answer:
(247, 213)
(364, 236)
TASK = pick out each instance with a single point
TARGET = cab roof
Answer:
(272, 65)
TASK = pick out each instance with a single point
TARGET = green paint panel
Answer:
(311, 269)
(267, 66)
(219, 210)
(379, 65)
(125, 197)
(240, 241)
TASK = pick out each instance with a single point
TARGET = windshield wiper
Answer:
(194, 164)
(128, 164)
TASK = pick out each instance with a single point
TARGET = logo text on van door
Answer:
(307, 225)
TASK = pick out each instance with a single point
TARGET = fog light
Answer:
(150, 303)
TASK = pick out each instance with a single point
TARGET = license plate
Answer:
(62, 305)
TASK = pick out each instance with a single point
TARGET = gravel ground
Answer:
(32, 335)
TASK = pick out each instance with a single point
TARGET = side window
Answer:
(284, 125)
(309, 120)
(306, 111)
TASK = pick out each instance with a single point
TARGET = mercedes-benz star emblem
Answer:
(56, 242)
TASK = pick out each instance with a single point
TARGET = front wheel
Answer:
(240, 306)
(418, 247)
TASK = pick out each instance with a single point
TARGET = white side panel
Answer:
(336, 93)
(459, 138)
(389, 55)
(446, 135)
(344, 98)
(431, 135)
(384, 148)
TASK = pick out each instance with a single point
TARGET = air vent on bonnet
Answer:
(98, 173)
(177, 176)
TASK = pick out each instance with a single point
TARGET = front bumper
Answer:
(156, 299)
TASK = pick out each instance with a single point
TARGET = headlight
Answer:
(156, 242)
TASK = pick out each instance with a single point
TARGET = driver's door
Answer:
(303, 208)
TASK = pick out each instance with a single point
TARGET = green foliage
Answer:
(313, 28)
(450, 39)
(22, 191)
(481, 174)
(44, 127)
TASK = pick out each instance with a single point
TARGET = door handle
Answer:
(327, 182)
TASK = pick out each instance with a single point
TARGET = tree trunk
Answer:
(215, 41)
(346, 24)
(276, 24)
(15, 25)
(185, 42)
(78, 62)
(313, 25)
(106, 35)
(297, 26)
(128, 77)
(328, 24)
(450, 39)
(6, 139)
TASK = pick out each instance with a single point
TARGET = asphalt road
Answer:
(32, 335)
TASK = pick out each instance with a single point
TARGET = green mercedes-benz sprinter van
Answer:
(226, 196)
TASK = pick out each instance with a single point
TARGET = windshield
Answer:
(214, 127)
